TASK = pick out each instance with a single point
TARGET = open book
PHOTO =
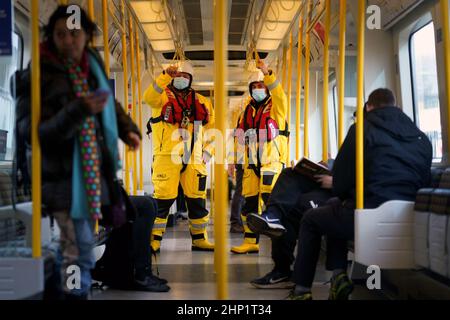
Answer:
(311, 169)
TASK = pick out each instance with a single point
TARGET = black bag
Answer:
(116, 267)
(121, 210)
(126, 244)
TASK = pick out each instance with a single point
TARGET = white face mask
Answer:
(181, 83)
(259, 94)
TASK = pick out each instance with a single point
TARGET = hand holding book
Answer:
(311, 169)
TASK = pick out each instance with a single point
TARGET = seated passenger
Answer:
(144, 279)
(79, 127)
(281, 222)
(397, 161)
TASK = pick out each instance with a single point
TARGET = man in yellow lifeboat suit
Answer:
(262, 135)
(180, 117)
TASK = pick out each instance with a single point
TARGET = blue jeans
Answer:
(75, 257)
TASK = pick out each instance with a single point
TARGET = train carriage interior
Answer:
(326, 69)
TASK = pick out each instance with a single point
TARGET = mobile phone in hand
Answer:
(101, 92)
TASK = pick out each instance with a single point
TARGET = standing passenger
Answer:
(262, 135)
(180, 115)
(79, 128)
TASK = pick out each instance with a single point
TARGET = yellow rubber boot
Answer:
(200, 235)
(159, 228)
(250, 244)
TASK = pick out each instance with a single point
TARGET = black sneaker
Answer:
(158, 279)
(341, 287)
(274, 280)
(150, 285)
(265, 225)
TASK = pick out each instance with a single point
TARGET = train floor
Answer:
(191, 275)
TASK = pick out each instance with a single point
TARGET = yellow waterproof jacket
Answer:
(275, 150)
(166, 137)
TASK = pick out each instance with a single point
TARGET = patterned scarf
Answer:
(87, 139)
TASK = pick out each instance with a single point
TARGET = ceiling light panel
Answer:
(283, 10)
(274, 30)
(149, 11)
(268, 45)
(157, 31)
(153, 19)
(162, 45)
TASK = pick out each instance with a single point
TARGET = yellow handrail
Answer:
(307, 81)
(138, 58)
(360, 107)
(446, 36)
(221, 196)
(283, 79)
(289, 96)
(106, 37)
(299, 87)
(133, 100)
(62, 2)
(326, 72)
(125, 89)
(35, 116)
(211, 96)
(341, 83)
(91, 13)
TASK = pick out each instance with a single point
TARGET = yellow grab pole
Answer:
(299, 87)
(360, 107)
(133, 100)
(221, 193)
(62, 2)
(283, 79)
(326, 72)
(289, 96)
(139, 87)
(341, 83)
(211, 95)
(106, 37)
(125, 89)
(446, 36)
(35, 116)
(307, 82)
(91, 13)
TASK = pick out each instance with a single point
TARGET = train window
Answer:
(425, 86)
(7, 114)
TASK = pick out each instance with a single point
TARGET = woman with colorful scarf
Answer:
(79, 129)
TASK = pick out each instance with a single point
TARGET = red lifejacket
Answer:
(267, 129)
(177, 109)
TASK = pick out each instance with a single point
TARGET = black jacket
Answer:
(61, 116)
(397, 159)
